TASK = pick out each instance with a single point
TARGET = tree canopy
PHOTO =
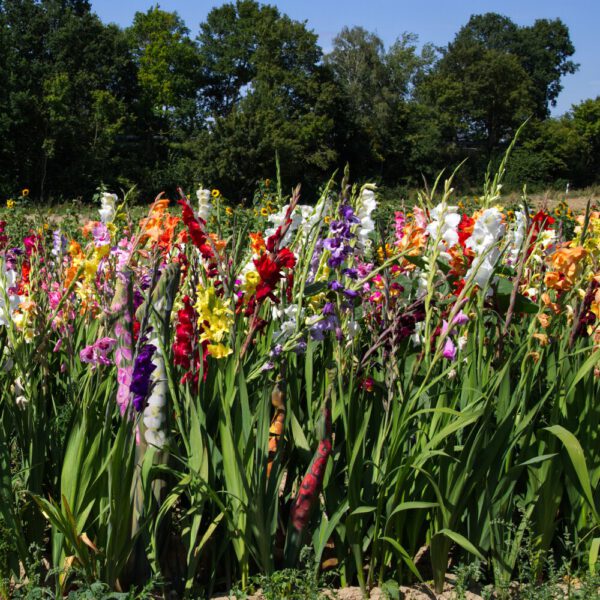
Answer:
(158, 105)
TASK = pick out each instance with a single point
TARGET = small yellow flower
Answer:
(46, 226)
(267, 182)
(25, 192)
(327, 219)
(215, 193)
(228, 211)
(10, 204)
(264, 212)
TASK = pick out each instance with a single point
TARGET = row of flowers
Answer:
(317, 272)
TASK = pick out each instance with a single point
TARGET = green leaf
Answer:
(575, 452)
(462, 541)
(404, 555)
(593, 557)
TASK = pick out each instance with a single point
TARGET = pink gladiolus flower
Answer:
(101, 235)
(399, 221)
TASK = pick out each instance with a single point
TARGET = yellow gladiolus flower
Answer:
(252, 279)
(218, 350)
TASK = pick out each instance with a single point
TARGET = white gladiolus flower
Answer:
(9, 301)
(108, 209)
(289, 319)
(484, 272)
(366, 205)
(21, 399)
(444, 225)
(353, 328)
(155, 438)
(204, 204)
(278, 219)
(487, 232)
(517, 236)
(154, 414)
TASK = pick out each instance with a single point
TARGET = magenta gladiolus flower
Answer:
(87, 355)
(449, 351)
(460, 319)
(97, 353)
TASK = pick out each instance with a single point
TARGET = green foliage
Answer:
(292, 584)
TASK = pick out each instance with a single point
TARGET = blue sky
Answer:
(432, 20)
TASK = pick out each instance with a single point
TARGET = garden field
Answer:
(312, 393)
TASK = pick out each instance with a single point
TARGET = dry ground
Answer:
(421, 592)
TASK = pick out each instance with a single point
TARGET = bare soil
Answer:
(577, 203)
(419, 592)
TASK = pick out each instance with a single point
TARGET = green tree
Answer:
(265, 92)
(491, 77)
(585, 117)
(563, 149)
(167, 111)
(68, 89)
(375, 118)
(168, 66)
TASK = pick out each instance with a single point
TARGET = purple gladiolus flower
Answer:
(276, 351)
(300, 347)
(140, 379)
(59, 243)
(328, 308)
(347, 213)
(318, 330)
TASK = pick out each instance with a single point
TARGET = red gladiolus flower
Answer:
(367, 384)
(465, 229)
(309, 488)
(541, 221)
(269, 270)
(186, 352)
(196, 230)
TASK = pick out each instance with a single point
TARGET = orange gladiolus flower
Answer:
(258, 243)
(567, 263)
